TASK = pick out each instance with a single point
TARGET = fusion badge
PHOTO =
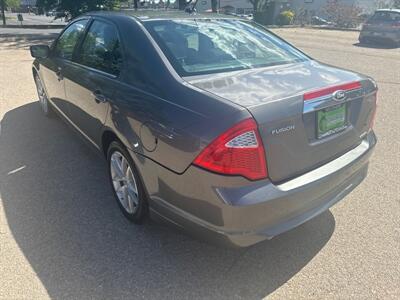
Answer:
(283, 129)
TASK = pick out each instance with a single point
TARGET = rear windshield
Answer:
(205, 46)
(386, 16)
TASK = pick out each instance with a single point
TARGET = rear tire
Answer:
(43, 99)
(126, 183)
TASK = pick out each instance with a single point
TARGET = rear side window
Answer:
(69, 38)
(101, 48)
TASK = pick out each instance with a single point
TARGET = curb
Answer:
(336, 28)
(34, 26)
(314, 27)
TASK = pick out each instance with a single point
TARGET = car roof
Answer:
(388, 10)
(144, 15)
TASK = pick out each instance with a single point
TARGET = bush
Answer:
(286, 17)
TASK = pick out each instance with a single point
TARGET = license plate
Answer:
(331, 120)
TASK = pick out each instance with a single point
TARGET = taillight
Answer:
(238, 151)
(331, 89)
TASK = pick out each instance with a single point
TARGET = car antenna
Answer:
(191, 8)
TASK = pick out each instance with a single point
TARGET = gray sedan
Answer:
(383, 26)
(210, 123)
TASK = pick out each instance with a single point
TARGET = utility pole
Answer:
(3, 8)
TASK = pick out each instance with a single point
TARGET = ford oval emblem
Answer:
(339, 95)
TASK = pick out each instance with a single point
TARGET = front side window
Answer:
(69, 38)
(206, 46)
(101, 48)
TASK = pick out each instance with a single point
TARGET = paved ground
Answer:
(62, 236)
(32, 19)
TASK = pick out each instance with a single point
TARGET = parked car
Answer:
(51, 13)
(315, 20)
(60, 14)
(211, 123)
(383, 26)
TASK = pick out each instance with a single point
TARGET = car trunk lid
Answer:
(288, 103)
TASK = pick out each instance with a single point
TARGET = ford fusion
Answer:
(210, 123)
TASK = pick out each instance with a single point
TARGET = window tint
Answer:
(386, 16)
(68, 40)
(101, 48)
(211, 46)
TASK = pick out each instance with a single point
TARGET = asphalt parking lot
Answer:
(62, 235)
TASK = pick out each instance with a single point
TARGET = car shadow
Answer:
(62, 214)
(376, 45)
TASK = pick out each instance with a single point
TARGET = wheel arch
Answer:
(108, 136)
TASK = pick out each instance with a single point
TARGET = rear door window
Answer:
(101, 48)
(66, 43)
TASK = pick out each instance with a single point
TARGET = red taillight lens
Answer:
(329, 90)
(238, 151)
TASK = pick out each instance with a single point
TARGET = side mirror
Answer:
(40, 51)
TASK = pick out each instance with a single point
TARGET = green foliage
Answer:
(12, 3)
(77, 7)
(286, 17)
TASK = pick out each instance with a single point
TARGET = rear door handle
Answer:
(59, 74)
(99, 97)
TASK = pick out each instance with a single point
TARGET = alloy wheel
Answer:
(124, 182)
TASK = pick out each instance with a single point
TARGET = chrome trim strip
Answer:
(325, 101)
(326, 169)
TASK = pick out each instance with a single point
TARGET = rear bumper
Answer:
(380, 36)
(237, 212)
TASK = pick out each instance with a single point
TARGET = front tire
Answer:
(43, 99)
(126, 183)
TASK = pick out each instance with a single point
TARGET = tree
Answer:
(3, 8)
(259, 5)
(378, 4)
(261, 11)
(182, 4)
(214, 5)
(342, 15)
(7, 4)
(77, 7)
(396, 3)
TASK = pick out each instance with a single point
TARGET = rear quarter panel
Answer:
(156, 113)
